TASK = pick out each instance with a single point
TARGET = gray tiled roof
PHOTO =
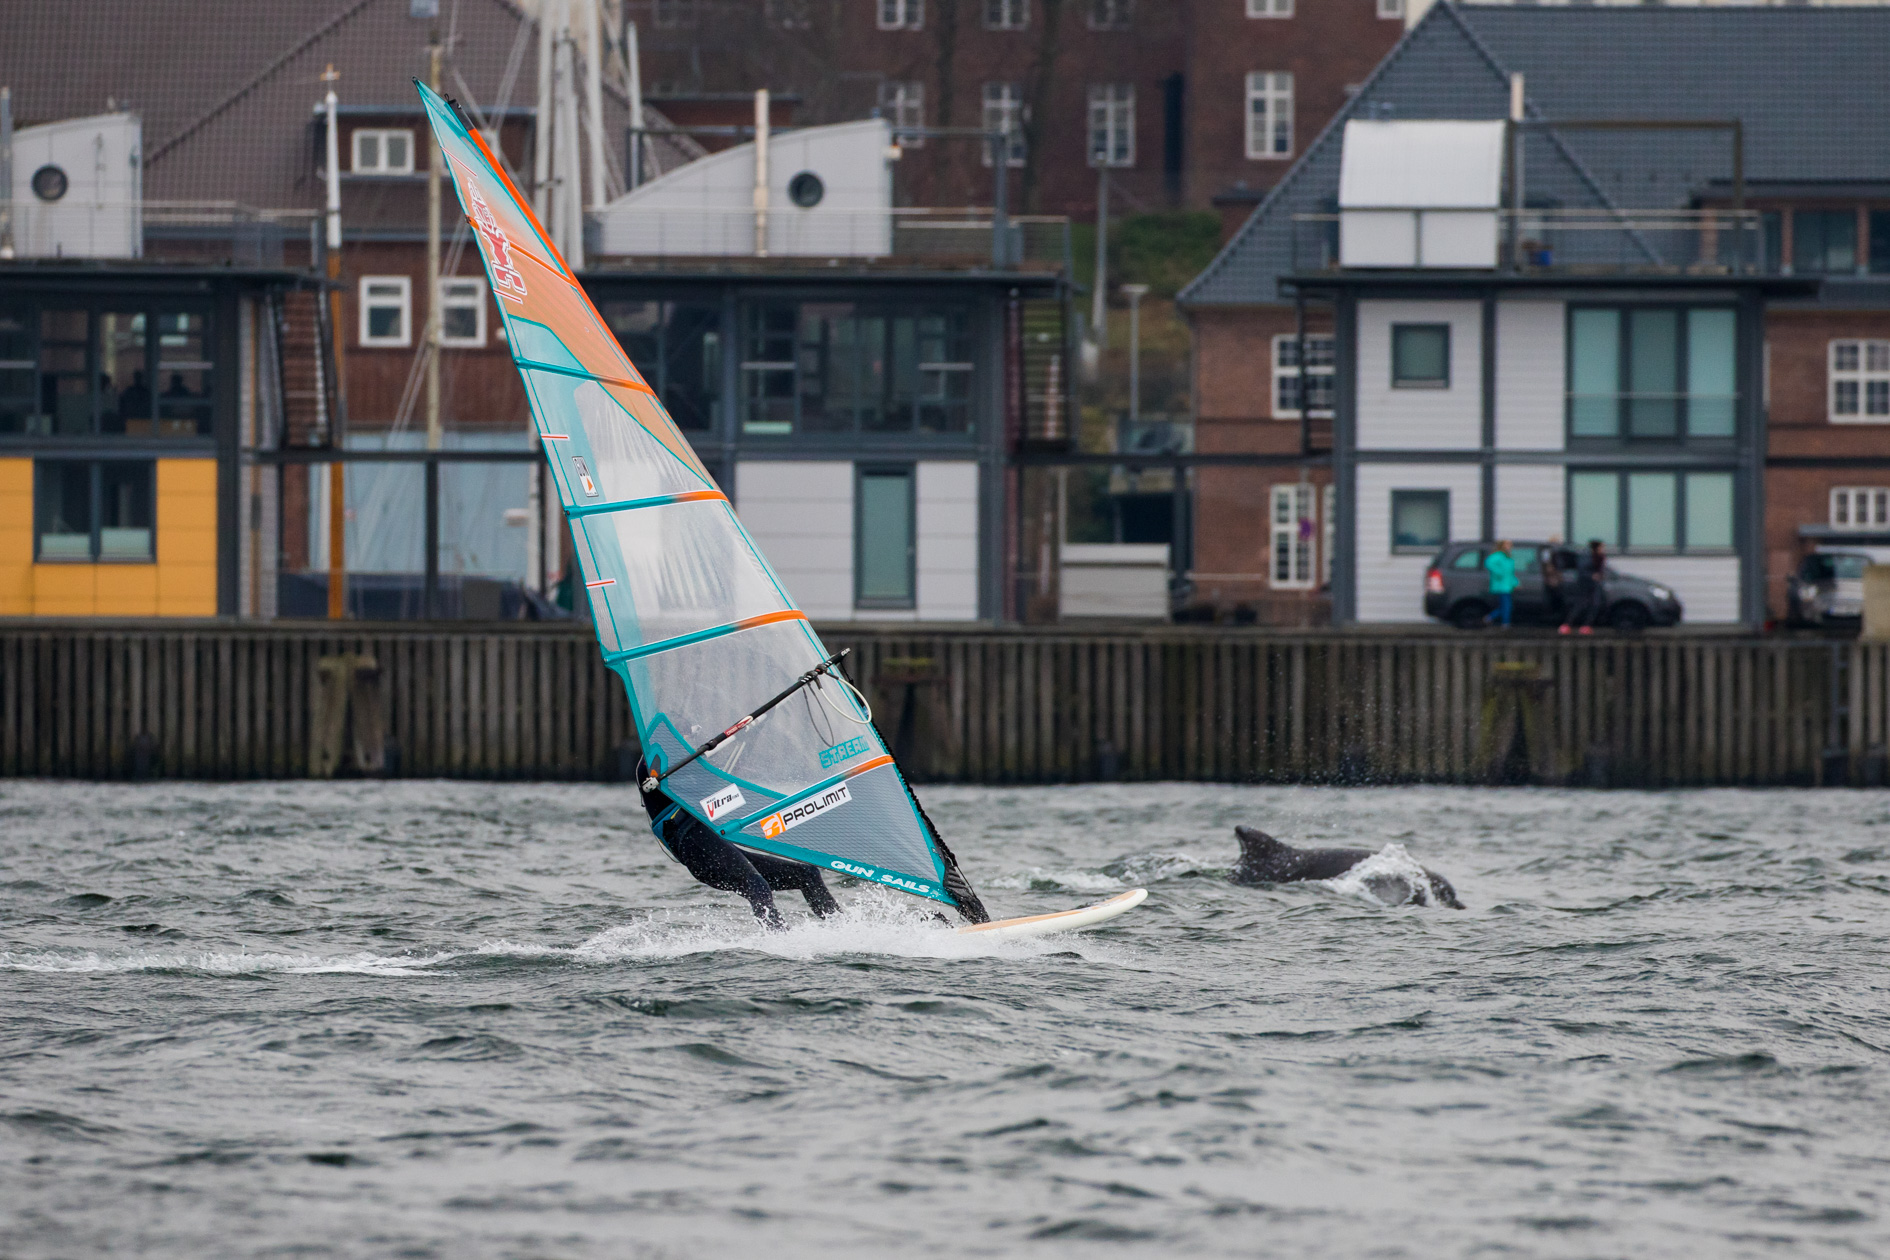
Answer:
(1807, 83)
(225, 88)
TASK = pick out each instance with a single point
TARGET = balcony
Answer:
(1534, 242)
(927, 238)
(203, 232)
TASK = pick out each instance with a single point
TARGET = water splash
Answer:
(1389, 877)
(226, 963)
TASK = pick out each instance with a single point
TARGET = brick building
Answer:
(1182, 99)
(1817, 210)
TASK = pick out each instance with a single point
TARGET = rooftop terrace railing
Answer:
(1564, 241)
(915, 236)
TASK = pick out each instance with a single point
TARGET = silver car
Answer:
(1828, 588)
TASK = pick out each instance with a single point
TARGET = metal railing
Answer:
(927, 236)
(1693, 242)
(163, 231)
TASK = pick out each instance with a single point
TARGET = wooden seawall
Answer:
(225, 701)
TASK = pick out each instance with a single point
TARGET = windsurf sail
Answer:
(688, 614)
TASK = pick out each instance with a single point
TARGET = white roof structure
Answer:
(1420, 193)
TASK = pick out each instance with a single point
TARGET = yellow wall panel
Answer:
(127, 590)
(16, 477)
(16, 590)
(65, 590)
(187, 590)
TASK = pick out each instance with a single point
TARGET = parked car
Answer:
(1457, 589)
(1828, 589)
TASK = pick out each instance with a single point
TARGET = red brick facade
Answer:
(1187, 61)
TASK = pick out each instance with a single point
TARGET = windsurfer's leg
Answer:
(719, 864)
(783, 875)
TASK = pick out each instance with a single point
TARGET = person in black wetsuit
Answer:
(720, 864)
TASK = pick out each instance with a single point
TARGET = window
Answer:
(1420, 356)
(1824, 241)
(1269, 8)
(845, 367)
(1112, 124)
(1004, 111)
(94, 510)
(791, 15)
(462, 312)
(1288, 375)
(379, 152)
(903, 105)
(1329, 509)
(1391, 8)
(1293, 530)
(1860, 382)
(1269, 114)
(1652, 511)
(884, 545)
(901, 15)
(1660, 373)
(1880, 242)
(1110, 15)
(1006, 15)
(673, 13)
(77, 372)
(677, 348)
(1860, 507)
(1420, 520)
(386, 303)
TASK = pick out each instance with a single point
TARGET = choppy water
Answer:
(472, 1020)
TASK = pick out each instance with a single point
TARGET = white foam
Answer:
(238, 963)
(1138, 870)
(1389, 863)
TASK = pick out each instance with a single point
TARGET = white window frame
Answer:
(1001, 101)
(1391, 10)
(1328, 532)
(1269, 8)
(1112, 122)
(1269, 114)
(472, 292)
(1111, 15)
(1292, 536)
(900, 15)
(380, 135)
(404, 285)
(1860, 507)
(1859, 389)
(1321, 348)
(1006, 15)
(902, 104)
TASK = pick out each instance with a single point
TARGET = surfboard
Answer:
(1061, 921)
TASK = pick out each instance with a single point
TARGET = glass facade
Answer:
(852, 367)
(1652, 373)
(677, 347)
(1652, 510)
(125, 371)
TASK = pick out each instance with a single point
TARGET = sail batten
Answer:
(688, 613)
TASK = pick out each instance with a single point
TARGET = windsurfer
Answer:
(719, 864)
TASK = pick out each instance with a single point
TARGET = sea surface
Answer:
(472, 1020)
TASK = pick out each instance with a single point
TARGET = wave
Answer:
(1137, 870)
(218, 963)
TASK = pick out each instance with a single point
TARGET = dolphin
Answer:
(1264, 860)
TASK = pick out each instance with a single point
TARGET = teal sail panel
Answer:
(688, 613)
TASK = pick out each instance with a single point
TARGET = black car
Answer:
(1457, 589)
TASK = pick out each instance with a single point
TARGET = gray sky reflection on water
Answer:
(493, 1020)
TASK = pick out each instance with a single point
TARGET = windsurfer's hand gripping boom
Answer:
(654, 780)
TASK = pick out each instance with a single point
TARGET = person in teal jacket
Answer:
(1502, 567)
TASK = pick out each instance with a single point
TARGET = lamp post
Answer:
(1135, 293)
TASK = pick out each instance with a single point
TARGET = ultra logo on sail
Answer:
(814, 806)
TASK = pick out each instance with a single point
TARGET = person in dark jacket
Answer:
(1590, 602)
(720, 864)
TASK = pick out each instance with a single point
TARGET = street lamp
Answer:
(1135, 293)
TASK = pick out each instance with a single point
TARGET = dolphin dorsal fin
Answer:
(1256, 845)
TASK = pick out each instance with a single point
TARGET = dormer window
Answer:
(383, 152)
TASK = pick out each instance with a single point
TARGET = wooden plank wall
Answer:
(229, 701)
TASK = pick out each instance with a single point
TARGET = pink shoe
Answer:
(1586, 630)
(1562, 630)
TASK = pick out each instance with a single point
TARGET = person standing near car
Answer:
(1591, 596)
(1502, 567)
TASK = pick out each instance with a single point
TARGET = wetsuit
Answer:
(720, 864)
